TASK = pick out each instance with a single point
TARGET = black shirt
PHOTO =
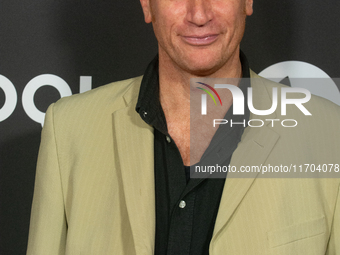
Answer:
(186, 209)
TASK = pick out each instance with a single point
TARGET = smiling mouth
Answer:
(200, 40)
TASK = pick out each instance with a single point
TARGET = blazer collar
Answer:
(137, 165)
(134, 158)
(253, 150)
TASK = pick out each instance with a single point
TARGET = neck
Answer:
(174, 85)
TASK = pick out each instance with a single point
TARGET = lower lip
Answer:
(200, 41)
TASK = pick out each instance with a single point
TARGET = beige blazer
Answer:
(94, 190)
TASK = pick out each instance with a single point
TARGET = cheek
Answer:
(167, 10)
(169, 22)
(231, 17)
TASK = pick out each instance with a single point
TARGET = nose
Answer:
(199, 12)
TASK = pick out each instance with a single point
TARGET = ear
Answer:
(249, 7)
(146, 6)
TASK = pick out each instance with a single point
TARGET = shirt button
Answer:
(182, 204)
(168, 139)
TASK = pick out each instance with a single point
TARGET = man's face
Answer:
(198, 36)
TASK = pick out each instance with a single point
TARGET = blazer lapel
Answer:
(137, 166)
(255, 146)
(135, 160)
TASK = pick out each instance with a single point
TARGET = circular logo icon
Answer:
(304, 75)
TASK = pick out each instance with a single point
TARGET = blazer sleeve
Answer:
(48, 226)
(334, 241)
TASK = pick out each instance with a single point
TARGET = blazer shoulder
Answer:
(110, 97)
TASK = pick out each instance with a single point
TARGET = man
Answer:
(113, 169)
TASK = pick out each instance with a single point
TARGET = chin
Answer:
(203, 69)
(203, 64)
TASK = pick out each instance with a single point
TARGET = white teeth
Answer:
(203, 38)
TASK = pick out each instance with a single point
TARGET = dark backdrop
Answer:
(107, 40)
